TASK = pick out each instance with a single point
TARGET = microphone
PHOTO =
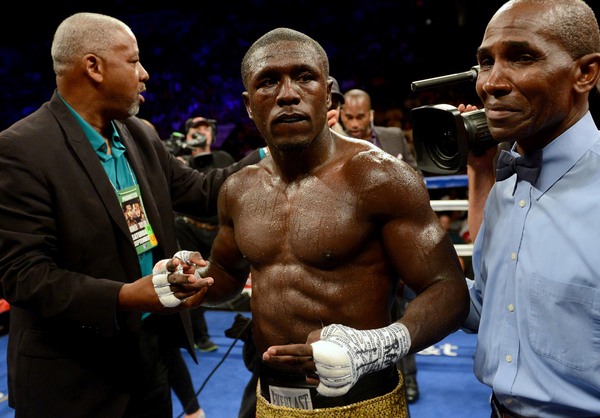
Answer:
(470, 75)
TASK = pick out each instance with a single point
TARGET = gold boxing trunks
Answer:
(390, 405)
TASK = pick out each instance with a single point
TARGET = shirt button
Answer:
(511, 307)
(522, 203)
(513, 256)
(508, 358)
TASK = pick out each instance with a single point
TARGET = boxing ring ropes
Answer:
(444, 182)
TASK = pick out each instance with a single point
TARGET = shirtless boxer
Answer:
(327, 224)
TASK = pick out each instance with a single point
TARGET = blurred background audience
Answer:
(193, 55)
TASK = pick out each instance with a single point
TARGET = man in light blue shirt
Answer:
(535, 300)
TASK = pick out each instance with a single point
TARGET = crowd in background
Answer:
(193, 55)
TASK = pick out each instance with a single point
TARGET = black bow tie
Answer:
(527, 167)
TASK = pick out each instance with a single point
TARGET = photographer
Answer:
(200, 134)
(199, 233)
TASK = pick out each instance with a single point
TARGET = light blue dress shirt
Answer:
(535, 301)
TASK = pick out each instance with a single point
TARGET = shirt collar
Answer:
(563, 153)
(97, 141)
(374, 138)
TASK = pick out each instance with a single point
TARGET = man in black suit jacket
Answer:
(86, 316)
(357, 117)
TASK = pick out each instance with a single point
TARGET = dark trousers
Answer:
(199, 325)
(180, 379)
(151, 397)
(252, 362)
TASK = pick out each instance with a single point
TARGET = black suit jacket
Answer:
(65, 251)
(393, 141)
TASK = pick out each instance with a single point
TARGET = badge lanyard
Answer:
(130, 199)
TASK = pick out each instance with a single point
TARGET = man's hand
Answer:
(336, 356)
(466, 108)
(344, 354)
(175, 285)
(295, 358)
(332, 117)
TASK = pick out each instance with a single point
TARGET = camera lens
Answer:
(440, 144)
(479, 133)
(443, 137)
(446, 150)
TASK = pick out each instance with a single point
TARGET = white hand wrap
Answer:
(184, 256)
(344, 354)
(162, 286)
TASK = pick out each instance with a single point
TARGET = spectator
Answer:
(337, 100)
(357, 118)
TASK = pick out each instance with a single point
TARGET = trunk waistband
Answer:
(369, 386)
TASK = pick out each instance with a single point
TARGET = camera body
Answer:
(179, 146)
(443, 137)
(198, 140)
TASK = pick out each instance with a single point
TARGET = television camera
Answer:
(442, 135)
(178, 146)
